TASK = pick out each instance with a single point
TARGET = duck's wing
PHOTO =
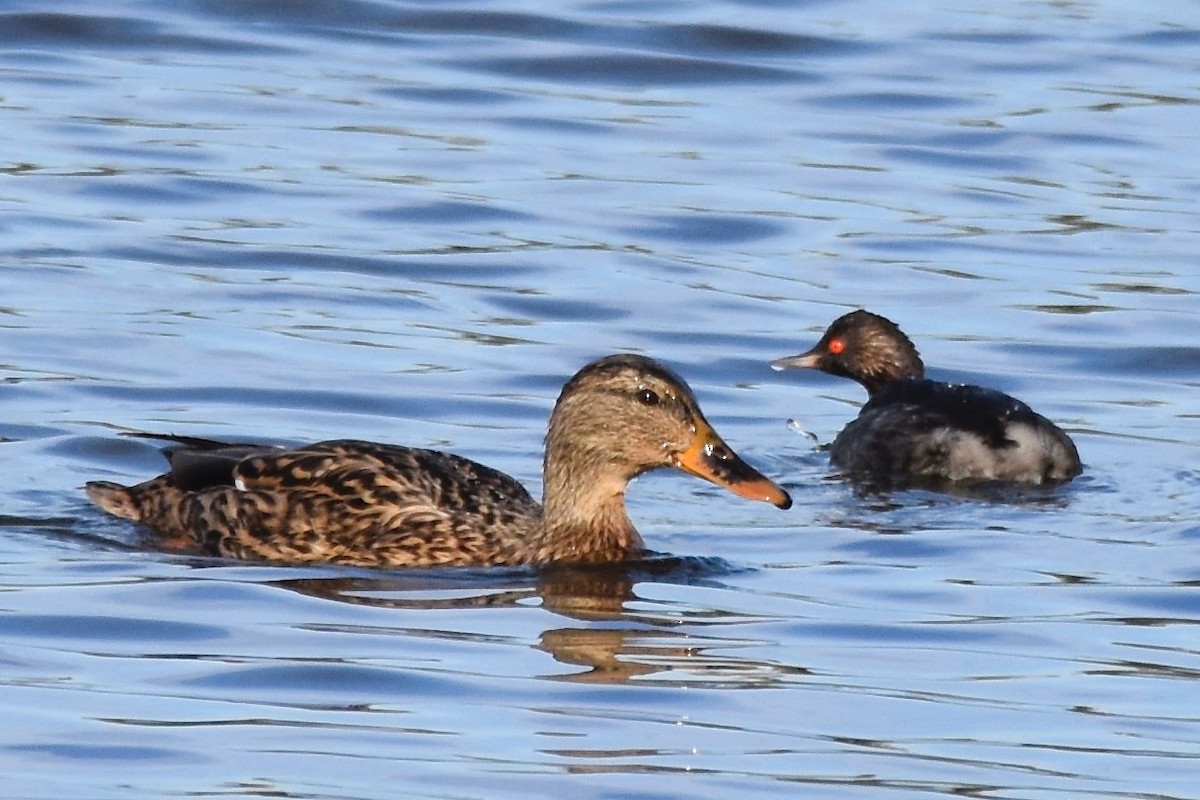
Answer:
(377, 473)
(366, 503)
(344, 502)
(340, 468)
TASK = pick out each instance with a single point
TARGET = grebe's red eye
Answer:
(836, 346)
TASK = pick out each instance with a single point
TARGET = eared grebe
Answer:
(915, 427)
(351, 502)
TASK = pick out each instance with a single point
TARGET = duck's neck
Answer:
(583, 511)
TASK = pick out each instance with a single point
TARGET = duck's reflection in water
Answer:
(620, 636)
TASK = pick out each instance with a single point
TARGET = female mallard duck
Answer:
(921, 428)
(351, 502)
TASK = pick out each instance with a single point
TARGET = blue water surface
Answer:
(412, 221)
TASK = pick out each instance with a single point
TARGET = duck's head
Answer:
(624, 415)
(863, 346)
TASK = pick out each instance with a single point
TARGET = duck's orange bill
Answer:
(710, 458)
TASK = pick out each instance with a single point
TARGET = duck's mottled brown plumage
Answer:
(353, 502)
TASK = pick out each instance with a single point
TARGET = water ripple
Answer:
(411, 222)
(87, 32)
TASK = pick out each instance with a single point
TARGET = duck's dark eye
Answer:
(648, 397)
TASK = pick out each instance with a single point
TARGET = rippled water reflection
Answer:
(411, 222)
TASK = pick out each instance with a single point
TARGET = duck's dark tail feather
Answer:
(190, 442)
(113, 498)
